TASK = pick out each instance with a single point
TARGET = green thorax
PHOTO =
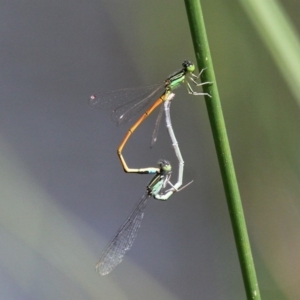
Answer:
(177, 78)
(156, 184)
(158, 181)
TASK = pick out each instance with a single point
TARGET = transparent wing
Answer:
(125, 112)
(156, 127)
(158, 120)
(126, 103)
(114, 252)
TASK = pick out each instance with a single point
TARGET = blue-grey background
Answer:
(63, 191)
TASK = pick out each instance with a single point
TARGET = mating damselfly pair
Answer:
(125, 104)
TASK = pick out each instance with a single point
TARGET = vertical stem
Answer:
(214, 109)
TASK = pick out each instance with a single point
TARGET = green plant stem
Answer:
(223, 150)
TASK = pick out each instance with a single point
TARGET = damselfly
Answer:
(125, 236)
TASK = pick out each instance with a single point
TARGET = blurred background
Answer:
(63, 191)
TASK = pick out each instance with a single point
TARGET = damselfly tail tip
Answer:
(170, 96)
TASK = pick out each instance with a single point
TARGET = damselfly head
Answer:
(188, 66)
(164, 166)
